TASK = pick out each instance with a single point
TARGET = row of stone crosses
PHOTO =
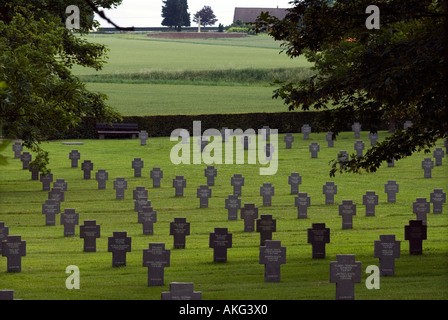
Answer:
(314, 148)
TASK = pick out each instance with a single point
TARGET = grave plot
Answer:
(179, 250)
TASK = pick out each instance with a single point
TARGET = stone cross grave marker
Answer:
(204, 193)
(156, 175)
(407, 124)
(329, 138)
(265, 226)
(237, 181)
(203, 142)
(120, 185)
(210, 173)
(232, 204)
(295, 179)
(34, 169)
(438, 154)
(46, 181)
(329, 190)
(421, 208)
(119, 244)
(391, 188)
(143, 136)
(147, 217)
(288, 139)
(137, 165)
(50, 209)
(347, 209)
(342, 157)
(90, 231)
(181, 291)
(267, 190)
(26, 158)
(69, 219)
(179, 183)
(245, 141)
(437, 198)
(356, 128)
(220, 241)
(269, 151)
(314, 148)
(306, 130)
(318, 235)
(56, 194)
(359, 148)
(13, 248)
(61, 183)
(4, 232)
(272, 255)
(373, 137)
(391, 163)
(249, 213)
(6, 295)
(427, 165)
(370, 200)
(179, 229)
(74, 156)
(266, 133)
(387, 249)
(345, 272)
(156, 258)
(140, 195)
(17, 148)
(415, 233)
(101, 176)
(302, 201)
(87, 167)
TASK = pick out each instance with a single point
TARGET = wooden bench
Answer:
(117, 129)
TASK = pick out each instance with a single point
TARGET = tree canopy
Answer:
(395, 73)
(175, 14)
(208, 17)
(38, 93)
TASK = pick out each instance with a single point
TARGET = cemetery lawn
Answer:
(161, 77)
(48, 252)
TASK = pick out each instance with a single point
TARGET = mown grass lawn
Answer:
(153, 77)
(241, 277)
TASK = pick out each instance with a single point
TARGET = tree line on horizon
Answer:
(175, 15)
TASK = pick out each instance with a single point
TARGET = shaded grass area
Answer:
(49, 253)
(172, 99)
(230, 77)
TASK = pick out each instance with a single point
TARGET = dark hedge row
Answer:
(162, 126)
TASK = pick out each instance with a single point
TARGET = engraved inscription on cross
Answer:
(156, 258)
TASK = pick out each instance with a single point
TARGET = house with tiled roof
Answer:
(249, 15)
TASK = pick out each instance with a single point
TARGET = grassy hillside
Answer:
(191, 76)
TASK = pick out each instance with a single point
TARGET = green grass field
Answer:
(241, 277)
(229, 75)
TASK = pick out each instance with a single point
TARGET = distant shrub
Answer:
(241, 30)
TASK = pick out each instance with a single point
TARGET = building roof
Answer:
(250, 14)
